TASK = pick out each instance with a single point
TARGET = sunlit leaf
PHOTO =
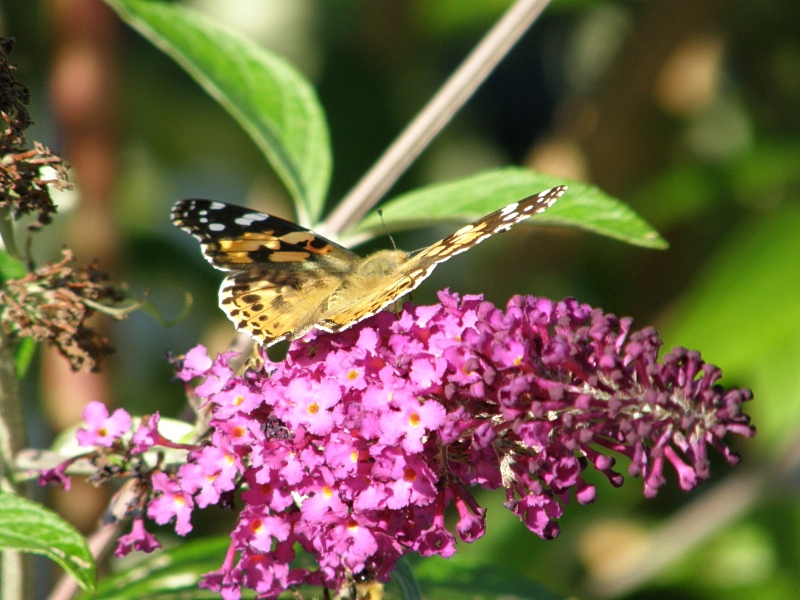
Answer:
(10, 267)
(465, 200)
(403, 578)
(450, 582)
(269, 98)
(29, 527)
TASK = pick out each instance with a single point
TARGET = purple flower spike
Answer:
(354, 446)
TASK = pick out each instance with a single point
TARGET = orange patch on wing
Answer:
(288, 256)
(239, 257)
(298, 237)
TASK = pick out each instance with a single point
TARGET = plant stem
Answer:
(16, 567)
(431, 120)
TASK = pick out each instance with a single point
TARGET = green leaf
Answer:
(10, 267)
(29, 527)
(7, 232)
(171, 574)
(269, 98)
(176, 573)
(23, 355)
(767, 168)
(466, 200)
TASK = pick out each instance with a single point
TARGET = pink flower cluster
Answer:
(354, 446)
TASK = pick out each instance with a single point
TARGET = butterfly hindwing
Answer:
(273, 305)
(286, 279)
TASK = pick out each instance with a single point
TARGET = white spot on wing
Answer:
(509, 209)
(216, 206)
(250, 218)
(216, 227)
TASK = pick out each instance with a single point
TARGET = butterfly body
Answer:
(286, 280)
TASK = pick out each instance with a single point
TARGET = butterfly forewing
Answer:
(472, 235)
(234, 238)
(287, 279)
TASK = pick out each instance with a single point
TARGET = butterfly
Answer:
(286, 280)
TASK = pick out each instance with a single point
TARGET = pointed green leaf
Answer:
(269, 98)
(171, 574)
(7, 232)
(29, 527)
(466, 200)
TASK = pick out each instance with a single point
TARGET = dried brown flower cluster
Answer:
(24, 189)
(53, 303)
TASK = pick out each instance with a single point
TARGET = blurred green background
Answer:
(687, 110)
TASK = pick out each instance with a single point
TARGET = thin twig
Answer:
(16, 582)
(441, 108)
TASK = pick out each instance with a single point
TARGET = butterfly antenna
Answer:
(394, 247)
(386, 229)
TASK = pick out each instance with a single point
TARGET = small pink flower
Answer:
(102, 429)
(146, 435)
(138, 539)
(170, 501)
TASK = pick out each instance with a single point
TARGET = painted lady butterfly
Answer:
(287, 280)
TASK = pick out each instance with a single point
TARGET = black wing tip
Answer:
(542, 200)
(553, 194)
(185, 211)
(181, 209)
(187, 203)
